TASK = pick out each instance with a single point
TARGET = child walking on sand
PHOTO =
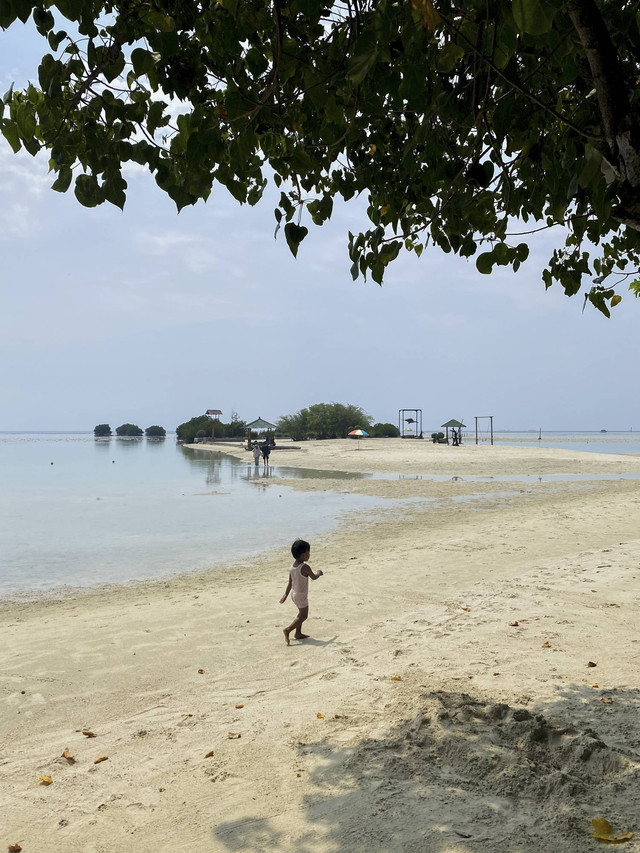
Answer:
(298, 586)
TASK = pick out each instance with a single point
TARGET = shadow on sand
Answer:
(462, 773)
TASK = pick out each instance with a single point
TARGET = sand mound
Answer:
(505, 769)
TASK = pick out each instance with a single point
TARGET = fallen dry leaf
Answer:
(496, 673)
(320, 716)
(239, 705)
(87, 733)
(603, 831)
(396, 678)
(299, 775)
(513, 624)
(162, 790)
(201, 671)
(606, 700)
(594, 685)
(14, 848)
(233, 735)
(187, 715)
(66, 754)
(45, 780)
(209, 754)
(546, 645)
(101, 758)
(591, 663)
(468, 609)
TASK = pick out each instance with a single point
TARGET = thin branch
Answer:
(529, 95)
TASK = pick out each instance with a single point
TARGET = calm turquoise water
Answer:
(79, 511)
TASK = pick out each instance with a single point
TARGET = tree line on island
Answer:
(129, 431)
(319, 421)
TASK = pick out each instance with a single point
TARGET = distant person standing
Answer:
(266, 450)
(256, 452)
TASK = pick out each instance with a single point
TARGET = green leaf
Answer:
(448, 56)
(294, 235)
(12, 135)
(143, 61)
(115, 68)
(484, 263)
(362, 63)
(63, 181)
(43, 21)
(163, 23)
(87, 191)
(501, 254)
(533, 16)
(55, 39)
(113, 188)
(22, 9)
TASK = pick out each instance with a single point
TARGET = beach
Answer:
(471, 681)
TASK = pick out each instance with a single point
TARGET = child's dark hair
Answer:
(299, 547)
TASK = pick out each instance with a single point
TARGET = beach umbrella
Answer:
(358, 433)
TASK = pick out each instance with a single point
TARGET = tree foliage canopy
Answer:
(187, 431)
(459, 121)
(324, 420)
(155, 431)
(380, 430)
(129, 430)
(102, 430)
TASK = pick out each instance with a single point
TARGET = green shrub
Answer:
(385, 431)
(155, 431)
(187, 431)
(102, 429)
(128, 430)
(324, 420)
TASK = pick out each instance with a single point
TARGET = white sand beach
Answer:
(472, 680)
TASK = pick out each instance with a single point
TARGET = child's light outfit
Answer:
(299, 586)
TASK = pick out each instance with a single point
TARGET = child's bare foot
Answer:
(300, 636)
(286, 635)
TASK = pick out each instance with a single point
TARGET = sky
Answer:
(150, 317)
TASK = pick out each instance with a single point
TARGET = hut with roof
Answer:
(260, 425)
(455, 426)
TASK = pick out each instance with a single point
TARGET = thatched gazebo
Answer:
(259, 424)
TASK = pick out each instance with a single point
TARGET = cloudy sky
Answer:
(151, 317)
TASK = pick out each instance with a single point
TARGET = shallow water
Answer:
(614, 441)
(79, 511)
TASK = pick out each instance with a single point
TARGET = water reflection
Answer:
(129, 441)
(258, 472)
(317, 474)
(213, 473)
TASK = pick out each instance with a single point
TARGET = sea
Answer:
(79, 512)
